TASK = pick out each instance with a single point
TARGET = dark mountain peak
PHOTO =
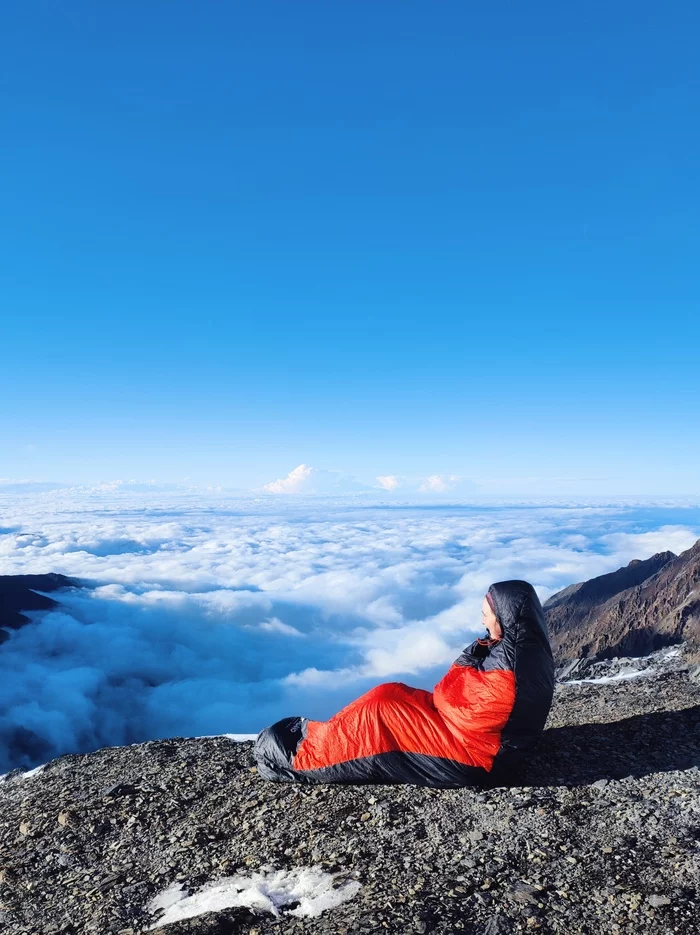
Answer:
(632, 611)
(22, 593)
(587, 594)
(693, 551)
(48, 582)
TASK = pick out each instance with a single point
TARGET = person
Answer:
(474, 728)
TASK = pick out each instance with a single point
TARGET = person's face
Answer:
(490, 621)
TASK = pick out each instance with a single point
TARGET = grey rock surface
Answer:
(600, 833)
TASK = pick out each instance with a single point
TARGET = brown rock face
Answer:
(631, 612)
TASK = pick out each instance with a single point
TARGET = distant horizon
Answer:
(440, 489)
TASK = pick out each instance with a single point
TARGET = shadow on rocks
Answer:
(225, 922)
(636, 746)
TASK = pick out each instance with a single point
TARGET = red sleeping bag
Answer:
(486, 713)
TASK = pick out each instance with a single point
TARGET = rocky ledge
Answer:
(601, 833)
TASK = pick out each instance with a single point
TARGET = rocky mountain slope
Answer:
(632, 611)
(19, 593)
(600, 834)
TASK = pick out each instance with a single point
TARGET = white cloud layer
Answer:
(216, 615)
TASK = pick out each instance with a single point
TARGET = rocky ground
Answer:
(601, 833)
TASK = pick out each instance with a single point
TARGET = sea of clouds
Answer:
(204, 614)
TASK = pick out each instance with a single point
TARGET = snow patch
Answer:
(29, 773)
(628, 667)
(237, 738)
(625, 674)
(34, 772)
(309, 890)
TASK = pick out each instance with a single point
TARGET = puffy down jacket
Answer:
(477, 724)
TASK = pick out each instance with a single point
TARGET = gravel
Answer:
(601, 832)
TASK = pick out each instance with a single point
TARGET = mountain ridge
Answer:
(663, 608)
(22, 594)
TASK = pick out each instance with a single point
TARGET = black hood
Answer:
(525, 650)
(520, 615)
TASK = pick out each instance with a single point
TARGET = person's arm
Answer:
(474, 654)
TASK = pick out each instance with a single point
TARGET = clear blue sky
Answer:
(387, 237)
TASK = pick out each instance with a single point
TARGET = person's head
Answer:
(490, 620)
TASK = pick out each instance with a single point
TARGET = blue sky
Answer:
(395, 238)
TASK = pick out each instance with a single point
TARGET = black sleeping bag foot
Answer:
(275, 748)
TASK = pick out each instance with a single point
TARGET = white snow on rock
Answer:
(33, 772)
(27, 775)
(237, 738)
(662, 660)
(620, 676)
(309, 889)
